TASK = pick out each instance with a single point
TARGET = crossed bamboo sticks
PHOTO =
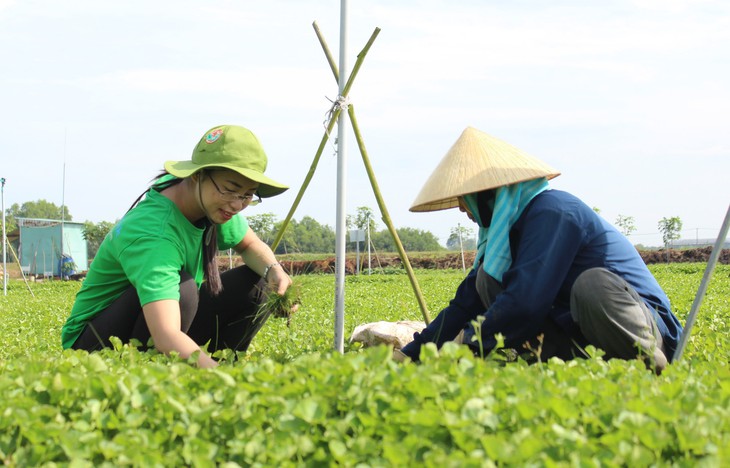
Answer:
(336, 109)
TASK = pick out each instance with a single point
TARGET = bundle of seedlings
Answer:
(281, 305)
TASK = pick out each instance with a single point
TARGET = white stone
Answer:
(396, 334)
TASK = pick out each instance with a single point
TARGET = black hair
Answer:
(211, 274)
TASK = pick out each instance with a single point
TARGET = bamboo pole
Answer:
(376, 188)
(307, 179)
(12, 251)
(712, 261)
(386, 217)
(323, 142)
(330, 59)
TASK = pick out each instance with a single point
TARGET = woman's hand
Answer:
(400, 356)
(163, 322)
(276, 278)
(259, 257)
(278, 281)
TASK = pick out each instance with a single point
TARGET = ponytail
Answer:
(210, 252)
(157, 186)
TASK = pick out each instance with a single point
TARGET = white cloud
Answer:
(640, 83)
(479, 41)
(263, 85)
(678, 6)
(6, 5)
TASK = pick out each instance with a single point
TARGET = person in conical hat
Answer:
(550, 275)
(146, 278)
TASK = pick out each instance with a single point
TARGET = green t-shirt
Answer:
(146, 249)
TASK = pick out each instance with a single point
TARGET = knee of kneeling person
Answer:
(592, 283)
(187, 281)
(188, 291)
(592, 291)
(584, 284)
(590, 277)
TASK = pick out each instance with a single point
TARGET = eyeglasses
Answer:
(229, 196)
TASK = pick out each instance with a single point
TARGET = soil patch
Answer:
(452, 260)
(439, 260)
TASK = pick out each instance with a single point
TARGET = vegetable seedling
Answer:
(281, 305)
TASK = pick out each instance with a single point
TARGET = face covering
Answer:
(493, 249)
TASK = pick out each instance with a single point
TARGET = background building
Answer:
(40, 243)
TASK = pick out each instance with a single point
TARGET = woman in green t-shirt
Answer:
(146, 278)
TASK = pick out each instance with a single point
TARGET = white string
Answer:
(342, 103)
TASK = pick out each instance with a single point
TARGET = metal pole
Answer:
(711, 262)
(461, 247)
(369, 269)
(63, 220)
(5, 240)
(63, 206)
(339, 341)
(357, 258)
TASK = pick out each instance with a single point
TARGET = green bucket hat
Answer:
(230, 147)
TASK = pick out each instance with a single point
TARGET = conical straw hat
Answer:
(477, 162)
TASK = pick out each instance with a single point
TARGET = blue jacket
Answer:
(556, 238)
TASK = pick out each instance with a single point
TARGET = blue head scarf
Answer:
(509, 203)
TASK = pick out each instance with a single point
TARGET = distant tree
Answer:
(288, 242)
(10, 223)
(313, 237)
(40, 209)
(383, 241)
(263, 225)
(364, 218)
(467, 238)
(360, 221)
(306, 236)
(670, 229)
(94, 234)
(625, 224)
(413, 240)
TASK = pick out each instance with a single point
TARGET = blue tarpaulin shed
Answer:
(40, 243)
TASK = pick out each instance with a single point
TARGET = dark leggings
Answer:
(230, 320)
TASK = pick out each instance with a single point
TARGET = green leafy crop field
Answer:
(292, 401)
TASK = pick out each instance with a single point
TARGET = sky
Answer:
(629, 100)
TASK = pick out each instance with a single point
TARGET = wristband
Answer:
(269, 267)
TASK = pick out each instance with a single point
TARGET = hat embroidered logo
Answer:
(213, 136)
